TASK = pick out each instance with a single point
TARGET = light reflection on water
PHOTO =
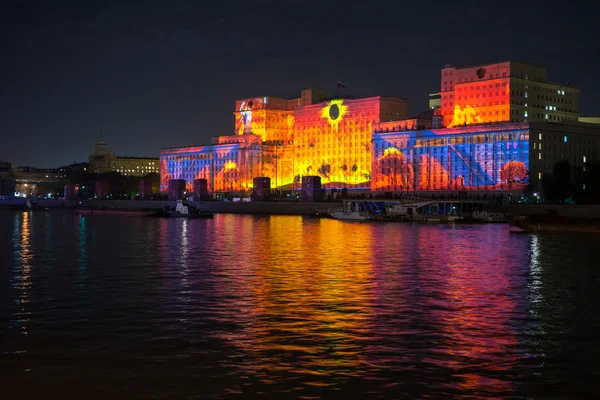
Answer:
(243, 305)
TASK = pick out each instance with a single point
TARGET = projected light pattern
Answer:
(486, 158)
(226, 167)
(253, 116)
(477, 102)
(333, 141)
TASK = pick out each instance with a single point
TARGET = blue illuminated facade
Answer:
(482, 157)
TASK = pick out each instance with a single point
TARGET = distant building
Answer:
(103, 160)
(7, 184)
(32, 175)
(590, 120)
(5, 170)
(435, 101)
(75, 168)
(505, 92)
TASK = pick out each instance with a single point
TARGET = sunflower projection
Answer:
(494, 158)
(334, 112)
(333, 139)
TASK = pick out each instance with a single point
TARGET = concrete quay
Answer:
(264, 208)
(297, 208)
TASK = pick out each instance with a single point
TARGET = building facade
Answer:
(499, 127)
(504, 92)
(228, 165)
(103, 161)
(503, 156)
(435, 101)
(286, 139)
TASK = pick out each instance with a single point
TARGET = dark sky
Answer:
(157, 74)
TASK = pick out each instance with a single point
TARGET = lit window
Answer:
(534, 145)
(546, 116)
(525, 114)
(584, 159)
(540, 146)
(539, 156)
(558, 91)
(526, 95)
(565, 139)
(563, 92)
(525, 104)
(539, 175)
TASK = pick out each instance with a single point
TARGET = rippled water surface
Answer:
(293, 307)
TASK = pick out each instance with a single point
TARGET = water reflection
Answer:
(302, 318)
(21, 280)
(298, 307)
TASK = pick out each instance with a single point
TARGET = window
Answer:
(539, 156)
(525, 114)
(584, 159)
(565, 139)
(539, 175)
(540, 146)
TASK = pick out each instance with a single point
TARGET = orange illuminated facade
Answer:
(333, 139)
(286, 139)
(504, 92)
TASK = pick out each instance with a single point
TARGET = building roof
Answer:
(491, 63)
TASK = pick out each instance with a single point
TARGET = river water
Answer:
(293, 307)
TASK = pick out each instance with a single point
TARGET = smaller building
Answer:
(103, 161)
(5, 170)
(590, 120)
(435, 101)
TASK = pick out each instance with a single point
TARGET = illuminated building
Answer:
(228, 165)
(371, 144)
(332, 139)
(286, 139)
(103, 160)
(504, 156)
(504, 92)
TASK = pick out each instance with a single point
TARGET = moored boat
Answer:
(187, 210)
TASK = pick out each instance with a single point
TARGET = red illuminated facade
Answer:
(504, 92)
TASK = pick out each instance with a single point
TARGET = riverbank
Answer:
(300, 208)
(260, 208)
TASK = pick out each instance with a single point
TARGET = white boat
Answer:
(354, 210)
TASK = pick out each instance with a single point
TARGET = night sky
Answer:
(168, 73)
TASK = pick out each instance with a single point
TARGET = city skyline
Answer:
(149, 78)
